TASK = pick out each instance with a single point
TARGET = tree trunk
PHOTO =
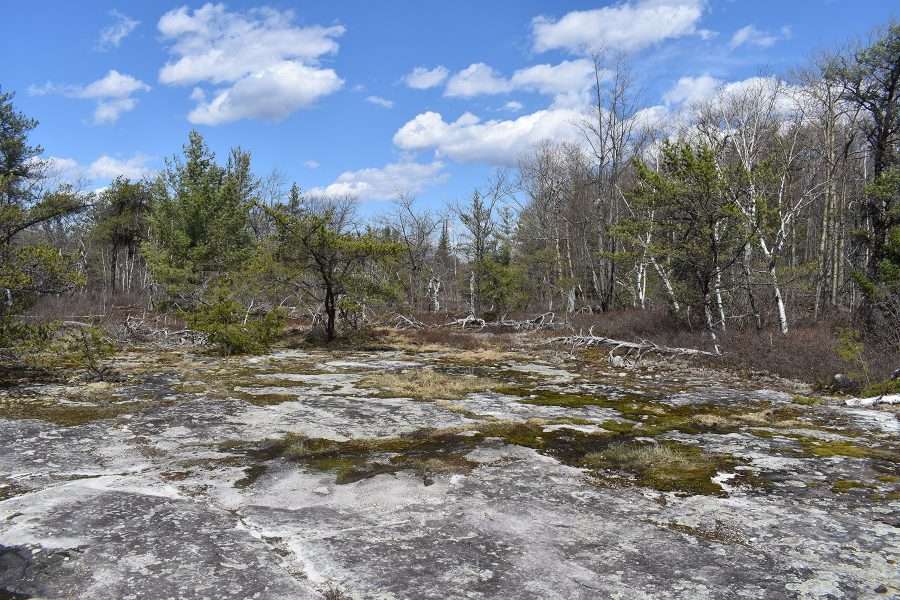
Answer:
(667, 285)
(113, 268)
(330, 312)
(779, 300)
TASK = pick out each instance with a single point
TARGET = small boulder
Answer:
(616, 362)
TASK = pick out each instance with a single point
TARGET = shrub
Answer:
(83, 347)
(232, 330)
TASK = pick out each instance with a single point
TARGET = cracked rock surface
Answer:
(276, 477)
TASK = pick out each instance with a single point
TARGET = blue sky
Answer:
(377, 98)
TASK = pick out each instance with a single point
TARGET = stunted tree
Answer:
(700, 225)
(325, 256)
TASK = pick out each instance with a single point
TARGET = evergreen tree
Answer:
(199, 220)
(27, 269)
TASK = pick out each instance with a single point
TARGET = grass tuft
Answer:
(426, 384)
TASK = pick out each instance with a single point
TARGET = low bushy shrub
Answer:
(232, 330)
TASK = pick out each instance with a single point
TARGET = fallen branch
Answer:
(466, 321)
(402, 322)
(138, 329)
(866, 402)
(544, 321)
(638, 348)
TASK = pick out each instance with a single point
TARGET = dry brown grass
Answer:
(710, 420)
(481, 356)
(808, 353)
(426, 384)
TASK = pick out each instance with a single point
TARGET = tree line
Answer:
(774, 202)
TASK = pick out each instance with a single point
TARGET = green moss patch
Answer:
(65, 414)
(666, 467)
(827, 449)
(806, 400)
(612, 456)
(843, 486)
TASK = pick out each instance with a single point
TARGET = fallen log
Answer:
(467, 321)
(403, 322)
(637, 348)
(544, 321)
(873, 401)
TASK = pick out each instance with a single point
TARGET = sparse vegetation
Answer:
(426, 384)
(666, 466)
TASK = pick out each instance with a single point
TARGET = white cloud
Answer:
(104, 168)
(113, 85)
(692, 90)
(61, 168)
(384, 183)
(268, 66)
(468, 139)
(107, 167)
(109, 111)
(627, 27)
(567, 82)
(271, 94)
(513, 106)
(112, 36)
(566, 77)
(475, 80)
(112, 92)
(422, 78)
(755, 37)
(379, 101)
(311, 164)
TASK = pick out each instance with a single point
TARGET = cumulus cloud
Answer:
(266, 66)
(626, 27)
(379, 101)
(475, 80)
(272, 94)
(567, 81)
(566, 77)
(692, 90)
(733, 96)
(113, 94)
(112, 36)
(501, 142)
(384, 183)
(750, 35)
(113, 85)
(422, 78)
(104, 168)
(513, 106)
(107, 167)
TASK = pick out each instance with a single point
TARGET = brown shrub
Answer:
(808, 353)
